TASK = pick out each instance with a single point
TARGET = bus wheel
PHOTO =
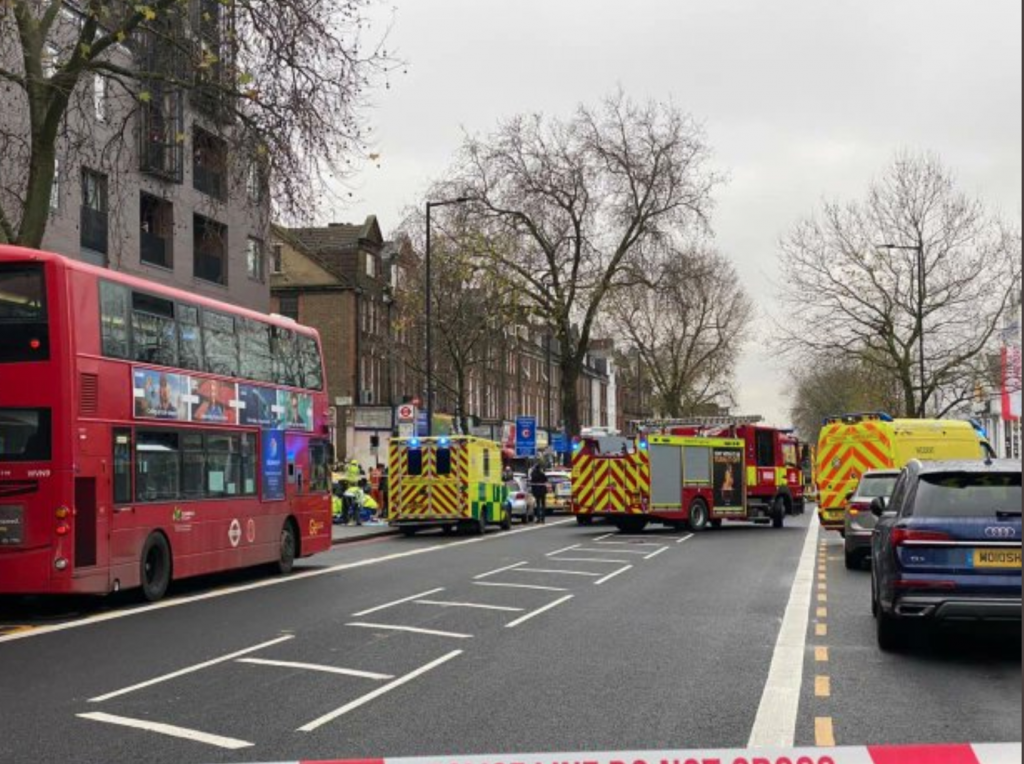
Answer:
(778, 512)
(289, 547)
(155, 563)
(698, 515)
(584, 519)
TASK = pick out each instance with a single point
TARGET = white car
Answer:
(520, 500)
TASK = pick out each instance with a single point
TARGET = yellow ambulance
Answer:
(851, 444)
(448, 482)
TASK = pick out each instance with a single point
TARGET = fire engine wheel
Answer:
(584, 519)
(698, 515)
(716, 524)
(778, 512)
(155, 567)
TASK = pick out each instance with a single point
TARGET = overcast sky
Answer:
(802, 100)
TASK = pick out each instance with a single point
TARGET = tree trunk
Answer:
(571, 370)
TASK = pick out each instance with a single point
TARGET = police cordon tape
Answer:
(966, 753)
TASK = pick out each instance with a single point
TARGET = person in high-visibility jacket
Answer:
(352, 473)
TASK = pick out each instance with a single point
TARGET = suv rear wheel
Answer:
(891, 632)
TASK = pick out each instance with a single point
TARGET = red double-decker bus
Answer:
(149, 434)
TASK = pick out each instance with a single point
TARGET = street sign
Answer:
(526, 436)
(406, 429)
(559, 443)
(406, 412)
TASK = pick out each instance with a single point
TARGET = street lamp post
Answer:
(919, 249)
(428, 312)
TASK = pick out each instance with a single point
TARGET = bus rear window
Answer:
(24, 334)
(24, 435)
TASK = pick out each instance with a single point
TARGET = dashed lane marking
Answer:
(684, 538)
(397, 602)
(656, 553)
(562, 572)
(329, 717)
(820, 630)
(232, 744)
(410, 629)
(822, 686)
(476, 605)
(822, 597)
(494, 572)
(612, 575)
(318, 667)
(824, 737)
(821, 612)
(538, 611)
(606, 560)
(821, 654)
(563, 549)
(615, 551)
(190, 669)
(535, 587)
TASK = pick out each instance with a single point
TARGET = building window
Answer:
(209, 164)
(255, 181)
(371, 266)
(162, 126)
(210, 247)
(289, 306)
(275, 259)
(93, 232)
(254, 258)
(156, 228)
(99, 97)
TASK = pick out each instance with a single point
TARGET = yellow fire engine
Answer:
(851, 444)
(449, 482)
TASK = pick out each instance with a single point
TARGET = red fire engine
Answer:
(774, 480)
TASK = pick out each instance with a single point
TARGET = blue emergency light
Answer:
(643, 445)
(414, 443)
(443, 442)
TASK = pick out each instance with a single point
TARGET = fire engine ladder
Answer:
(645, 425)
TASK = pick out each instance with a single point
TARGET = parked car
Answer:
(859, 523)
(559, 490)
(520, 501)
(947, 547)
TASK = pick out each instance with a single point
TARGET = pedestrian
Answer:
(539, 488)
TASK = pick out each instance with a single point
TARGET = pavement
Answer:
(545, 638)
(344, 534)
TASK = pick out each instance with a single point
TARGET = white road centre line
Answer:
(775, 723)
(610, 576)
(562, 572)
(410, 629)
(537, 587)
(538, 611)
(318, 667)
(330, 717)
(490, 573)
(563, 549)
(477, 605)
(232, 744)
(591, 559)
(386, 605)
(685, 538)
(263, 583)
(656, 552)
(190, 669)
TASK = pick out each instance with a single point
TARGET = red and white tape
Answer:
(987, 753)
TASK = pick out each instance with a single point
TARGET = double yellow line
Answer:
(824, 734)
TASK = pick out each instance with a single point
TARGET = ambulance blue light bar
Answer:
(414, 443)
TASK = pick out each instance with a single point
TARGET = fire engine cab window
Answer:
(444, 461)
(415, 457)
(24, 334)
(24, 435)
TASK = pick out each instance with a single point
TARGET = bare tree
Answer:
(284, 81)
(576, 203)
(688, 326)
(838, 386)
(917, 262)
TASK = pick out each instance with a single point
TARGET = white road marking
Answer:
(190, 669)
(538, 587)
(184, 733)
(330, 717)
(411, 630)
(591, 559)
(628, 543)
(606, 535)
(499, 570)
(538, 611)
(477, 605)
(278, 581)
(612, 575)
(614, 551)
(318, 667)
(775, 723)
(563, 572)
(656, 552)
(685, 538)
(563, 549)
(386, 605)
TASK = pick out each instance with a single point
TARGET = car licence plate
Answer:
(997, 558)
(832, 515)
(563, 490)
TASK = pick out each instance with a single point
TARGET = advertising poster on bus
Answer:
(258, 405)
(214, 401)
(727, 464)
(296, 410)
(160, 395)
(273, 464)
